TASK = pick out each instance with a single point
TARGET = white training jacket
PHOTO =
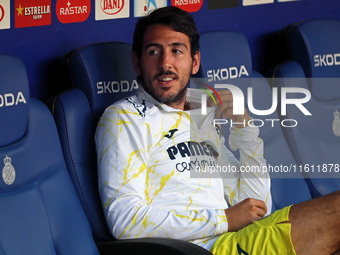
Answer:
(152, 170)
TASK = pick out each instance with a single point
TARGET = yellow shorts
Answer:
(264, 237)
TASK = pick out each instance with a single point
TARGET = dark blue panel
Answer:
(42, 47)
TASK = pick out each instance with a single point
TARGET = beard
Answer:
(172, 98)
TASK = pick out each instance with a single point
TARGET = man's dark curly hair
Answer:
(179, 20)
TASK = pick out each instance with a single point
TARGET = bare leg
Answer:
(316, 225)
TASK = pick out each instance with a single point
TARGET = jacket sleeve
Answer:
(248, 181)
(122, 151)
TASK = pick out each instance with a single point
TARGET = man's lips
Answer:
(166, 79)
(165, 76)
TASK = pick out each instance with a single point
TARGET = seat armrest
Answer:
(149, 246)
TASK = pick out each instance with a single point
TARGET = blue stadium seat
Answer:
(40, 210)
(226, 58)
(314, 64)
(101, 73)
(314, 44)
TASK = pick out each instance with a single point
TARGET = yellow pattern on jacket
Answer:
(147, 154)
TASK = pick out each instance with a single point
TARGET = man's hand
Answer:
(226, 109)
(245, 213)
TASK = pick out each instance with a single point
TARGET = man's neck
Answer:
(180, 105)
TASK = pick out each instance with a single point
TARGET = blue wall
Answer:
(41, 47)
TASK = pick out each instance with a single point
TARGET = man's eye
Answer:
(177, 51)
(153, 52)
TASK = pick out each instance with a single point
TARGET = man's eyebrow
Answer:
(179, 44)
(171, 44)
(152, 45)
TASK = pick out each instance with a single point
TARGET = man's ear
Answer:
(196, 62)
(135, 62)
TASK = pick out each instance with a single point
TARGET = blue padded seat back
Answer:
(315, 45)
(225, 57)
(230, 49)
(101, 74)
(287, 188)
(313, 141)
(76, 125)
(14, 99)
(104, 72)
(40, 211)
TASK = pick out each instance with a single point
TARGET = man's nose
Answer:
(165, 61)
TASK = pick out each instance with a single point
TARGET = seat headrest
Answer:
(14, 99)
(315, 44)
(225, 56)
(104, 72)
